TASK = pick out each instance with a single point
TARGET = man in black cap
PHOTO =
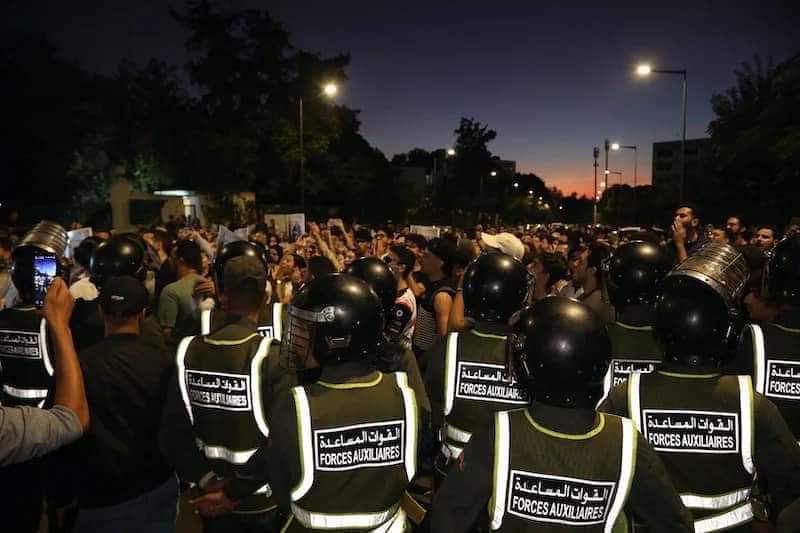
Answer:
(125, 483)
(218, 409)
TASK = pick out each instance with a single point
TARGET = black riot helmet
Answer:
(695, 313)
(782, 273)
(84, 251)
(336, 318)
(560, 349)
(378, 276)
(634, 272)
(117, 256)
(236, 249)
(495, 286)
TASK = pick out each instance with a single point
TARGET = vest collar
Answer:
(490, 329)
(635, 316)
(678, 371)
(349, 376)
(565, 423)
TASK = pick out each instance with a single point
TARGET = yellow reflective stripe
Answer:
(25, 393)
(205, 321)
(736, 516)
(759, 359)
(746, 407)
(784, 328)
(356, 385)
(314, 520)
(626, 471)
(458, 435)
(568, 436)
(303, 412)
(489, 335)
(216, 342)
(277, 320)
(502, 445)
(236, 457)
(450, 361)
(255, 379)
(180, 362)
(451, 451)
(720, 501)
(635, 328)
(48, 364)
(688, 376)
(634, 400)
(410, 406)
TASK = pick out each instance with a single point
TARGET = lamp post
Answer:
(617, 146)
(329, 90)
(596, 153)
(645, 70)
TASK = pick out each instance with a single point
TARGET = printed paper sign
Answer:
(360, 446)
(557, 499)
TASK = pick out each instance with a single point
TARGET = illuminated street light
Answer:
(530, 192)
(516, 185)
(493, 173)
(330, 89)
(615, 146)
(606, 172)
(451, 152)
(644, 69)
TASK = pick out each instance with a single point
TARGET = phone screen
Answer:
(45, 269)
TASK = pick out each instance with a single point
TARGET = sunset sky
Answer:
(553, 78)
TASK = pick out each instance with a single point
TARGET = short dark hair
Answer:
(598, 252)
(556, 266)
(164, 238)
(299, 261)
(405, 257)
(363, 235)
(738, 217)
(689, 205)
(189, 254)
(419, 240)
(769, 227)
(445, 249)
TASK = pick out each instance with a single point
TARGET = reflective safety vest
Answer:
(701, 426)
(776, 369)
(25, 363)
(358, 452)
(220, 382)
(544, 480)
(270, 321)
(633, 349)
(477, 384)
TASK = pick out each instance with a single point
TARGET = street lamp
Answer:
(645, 70)
(635, 165)
(329, 90)
(451, 152)
(516, 185)
(493, 173)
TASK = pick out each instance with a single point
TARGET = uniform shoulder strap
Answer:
(411, 424)
(43, 346)
(634, 400)
(450, 363)
(255, 378)
(277, 320)
(759, 356)
(502, 447)
(303, 413)
(747, 409)
(180, 363)
(205, 322)
(626, 472)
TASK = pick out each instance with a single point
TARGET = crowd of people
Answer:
(369, 378)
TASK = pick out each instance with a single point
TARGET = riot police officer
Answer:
(467, 376)
(712, 432)
(557, 463)
(227, 381)
(633, 274)
(774, 350)
(270, 315)
(379, 277)
(27, 368)
(342, 450)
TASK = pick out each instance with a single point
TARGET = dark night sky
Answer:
(553, 78)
